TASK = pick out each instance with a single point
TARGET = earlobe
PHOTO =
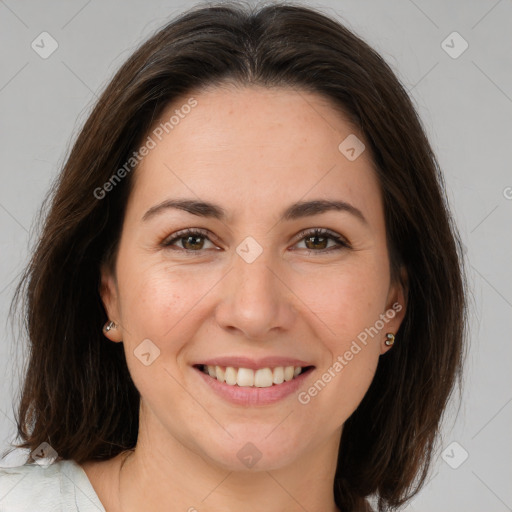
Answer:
(112, 331)
(396, 308)
(108, 294)
(390, 339)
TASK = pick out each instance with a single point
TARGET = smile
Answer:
(247, 377)
(253, 387)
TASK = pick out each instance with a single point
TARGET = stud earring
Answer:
(109, 325)
(390, 339)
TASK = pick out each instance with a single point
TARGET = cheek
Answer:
(163, 302)
(348, 303)
(161, 306)
(168, 305)
(156, 302)
(341, 391)
(346, 298)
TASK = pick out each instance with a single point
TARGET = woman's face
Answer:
(256, 288)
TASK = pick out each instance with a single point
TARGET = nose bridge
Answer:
(254, 300)
(254, 280)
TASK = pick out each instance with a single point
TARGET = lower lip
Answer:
(240, 395)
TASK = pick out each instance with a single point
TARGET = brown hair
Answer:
(78, 394)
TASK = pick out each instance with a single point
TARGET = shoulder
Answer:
(62, 485)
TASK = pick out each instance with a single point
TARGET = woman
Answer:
(248, 292)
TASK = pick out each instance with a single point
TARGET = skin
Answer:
(254, 151)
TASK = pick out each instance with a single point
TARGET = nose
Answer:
(256, 302)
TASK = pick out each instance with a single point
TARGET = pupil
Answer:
(192, 238)
(317, 238)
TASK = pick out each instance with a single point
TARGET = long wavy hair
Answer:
(77, 393)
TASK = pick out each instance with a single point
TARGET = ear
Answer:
(109, 296)
(396, 307)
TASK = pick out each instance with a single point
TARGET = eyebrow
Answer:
(295, 211)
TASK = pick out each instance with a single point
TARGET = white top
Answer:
(59, 487)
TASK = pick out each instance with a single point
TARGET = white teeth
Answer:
(288, 373)
(246, 377)
(278, 375)
(220, 373)
(230, 376)
(263, 378)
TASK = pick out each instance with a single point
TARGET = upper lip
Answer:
(254, 364)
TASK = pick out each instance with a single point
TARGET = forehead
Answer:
(252, 147)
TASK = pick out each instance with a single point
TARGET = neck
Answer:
(164, 473)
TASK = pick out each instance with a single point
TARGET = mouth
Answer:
(247, 381)
(253, 377)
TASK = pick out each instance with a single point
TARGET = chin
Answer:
(249, 450)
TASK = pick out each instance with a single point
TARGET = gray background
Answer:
(465, 104)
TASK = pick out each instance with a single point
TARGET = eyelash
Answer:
(341, 242)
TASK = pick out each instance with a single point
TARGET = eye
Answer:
(316, 240)
(189, 238)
